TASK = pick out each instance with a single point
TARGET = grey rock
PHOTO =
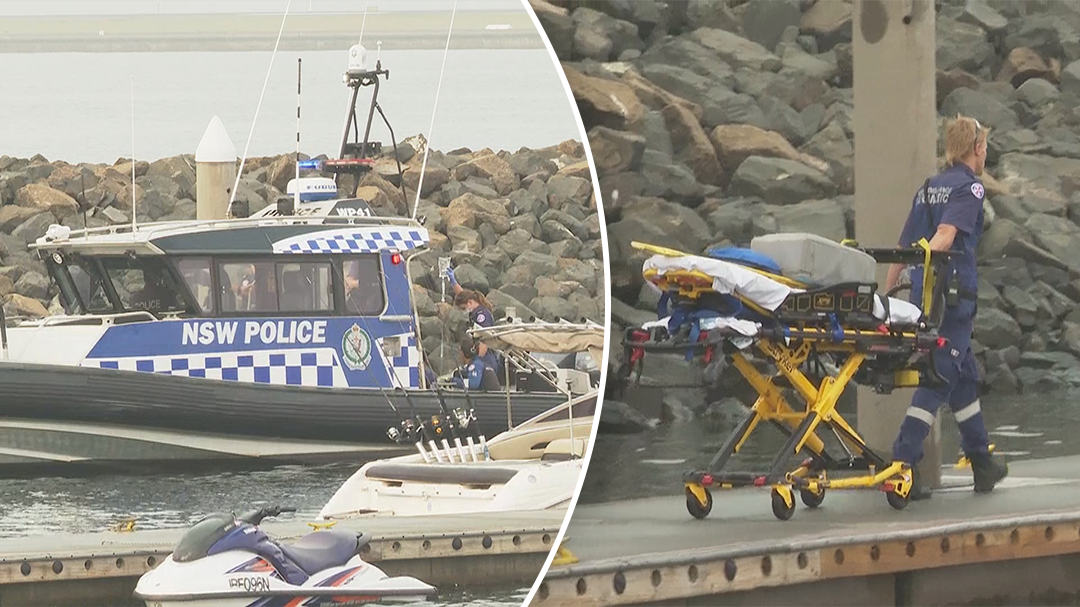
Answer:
(1040, 33)
(710, 13)
(464, 238)
(1001, 380)
(832, 145)
(735, 50)
(996, 329)
(33, 228)
(567, 190)
(605, 37)
(978, 12)
(821, 217)
(687, 53)
(991, 110)
(472, 277)
(962, 45)
(32, 284)
(1037, 91)
(1070, 78)
(783, 119)
(764, 21)
(614, 151)
(780, 181)
(558, 25)
(671, 180)
(536, 264)
(576, 226)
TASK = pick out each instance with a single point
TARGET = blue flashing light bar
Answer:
(309, 164)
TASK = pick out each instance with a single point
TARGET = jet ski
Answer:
(228, 560)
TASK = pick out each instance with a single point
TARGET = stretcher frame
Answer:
(905, 352)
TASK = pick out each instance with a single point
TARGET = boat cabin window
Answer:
(248, 286)
(90, 287)
(196, 274)
(269, 286)
(362, 278)
(305, 287)
(143, 284)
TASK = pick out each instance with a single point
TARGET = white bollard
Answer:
(215, 172)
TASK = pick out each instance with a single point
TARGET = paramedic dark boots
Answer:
(987, 471)
(919, 491)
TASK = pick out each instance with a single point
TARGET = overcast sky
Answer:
(145, 7)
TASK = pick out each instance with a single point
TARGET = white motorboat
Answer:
(533, 466)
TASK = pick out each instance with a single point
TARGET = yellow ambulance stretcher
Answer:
(813, 299)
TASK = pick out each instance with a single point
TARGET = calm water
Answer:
(176, 500)
(77, 106)
(652, 463)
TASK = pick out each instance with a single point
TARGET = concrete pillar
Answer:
(215, 172)
(893, 46)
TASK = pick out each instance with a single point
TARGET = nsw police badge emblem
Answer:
(356, 348)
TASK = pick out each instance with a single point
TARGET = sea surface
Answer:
(77, 107)
(651, 463)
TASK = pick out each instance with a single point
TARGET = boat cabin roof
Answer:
(321, 227)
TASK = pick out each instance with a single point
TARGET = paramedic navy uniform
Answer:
(954, 197)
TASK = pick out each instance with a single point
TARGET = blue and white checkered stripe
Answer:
(355, 240)
(406, 365)
(317, 367)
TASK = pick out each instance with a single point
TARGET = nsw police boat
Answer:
(287, 335)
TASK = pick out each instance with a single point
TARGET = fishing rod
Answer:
(419, 433)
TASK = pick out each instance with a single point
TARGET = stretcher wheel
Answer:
(696, 508)
(780, 508)
(811, 499)
(897, 501)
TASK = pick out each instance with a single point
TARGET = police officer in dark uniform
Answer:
(948, 212)
(477, 366)
(472, 302)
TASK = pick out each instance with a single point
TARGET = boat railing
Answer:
(161, 226)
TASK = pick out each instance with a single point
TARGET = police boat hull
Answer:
(52, 414)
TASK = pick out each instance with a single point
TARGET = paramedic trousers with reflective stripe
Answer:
(955, 363)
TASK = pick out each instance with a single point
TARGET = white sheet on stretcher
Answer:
(733, 279)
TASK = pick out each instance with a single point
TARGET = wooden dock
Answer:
(1020, 543)
(102, 568)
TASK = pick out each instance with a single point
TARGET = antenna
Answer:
(133, 208)
(427, 146)
(296, 201)
(243, 158)
(362, 25)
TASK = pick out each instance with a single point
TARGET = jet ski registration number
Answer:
(250, 583)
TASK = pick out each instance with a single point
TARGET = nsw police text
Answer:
(254, 331)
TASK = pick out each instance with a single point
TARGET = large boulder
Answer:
(693, 147)
(614, 151)
(44, 198)
(493, 168)
(735, 143)
(604, 102)
(780, 181)
(472, 211)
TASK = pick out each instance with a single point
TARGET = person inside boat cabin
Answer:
(363, 287)
(479, 369)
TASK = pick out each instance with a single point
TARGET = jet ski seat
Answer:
(321, 550)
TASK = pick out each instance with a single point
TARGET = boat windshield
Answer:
(90, 287)
(143, 284)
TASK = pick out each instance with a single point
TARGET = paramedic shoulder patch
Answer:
(977, 190)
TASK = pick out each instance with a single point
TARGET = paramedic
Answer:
(948, 212)
(478, 366)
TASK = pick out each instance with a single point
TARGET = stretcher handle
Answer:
(908, 256)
